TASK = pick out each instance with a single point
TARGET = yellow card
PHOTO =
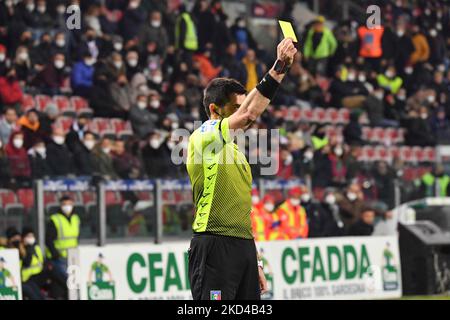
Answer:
(288, 30)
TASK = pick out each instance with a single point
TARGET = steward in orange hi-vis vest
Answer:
(292, 215)
(262, 218)
(370, 45)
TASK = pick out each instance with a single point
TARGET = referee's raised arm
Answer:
(259, 98)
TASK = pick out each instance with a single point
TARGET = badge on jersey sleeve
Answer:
(216, 295)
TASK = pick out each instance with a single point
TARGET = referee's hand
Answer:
(262, 281)
(286, 51)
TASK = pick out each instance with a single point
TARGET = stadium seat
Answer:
(406, 154)
(7, 197)
(430, 154)
(319, 115)
(27, 102)
(419, 154)
(382, 154)
(64, 105)
(42, 101)
(79, 103)
(26, 197)
(295, 113)
(332, 115)
(65, 123)
(307, 115)
(50, 197)
(14, 215)
(344, 115)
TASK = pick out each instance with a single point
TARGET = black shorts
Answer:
(223, 268)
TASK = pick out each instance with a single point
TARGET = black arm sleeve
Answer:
(26, 261)
(50, 237)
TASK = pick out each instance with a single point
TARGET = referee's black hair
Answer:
(219, 91)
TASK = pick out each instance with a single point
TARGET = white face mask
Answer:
(154, 143)
(59, 64)
(433, 33)
(424, 116)
(117, 64)
(288, 160)
(269, 207)
(155, 23)
(408, 70)
(118, 46)
(67, 209)
(30, 7)
(362, 78)
(441, 68)
(89, 62)
(295, 202)
(389, 74)
(241, 24)
(400, 33)
(174, 125)
(29, 241)
(338, 151)
(132, 62)
(154, 104)
(309, 155)
(171, 145)
(255, 200)
(142, 105)
(61, 9)
(351, 196)
(134, 4)
(157, 79)
(18, 143)
(59, 140)
(351, 77)
(23, 56)
(106, 150)
(305, 197)
(89, 144)
(304, 77)
(195, 114)
(379, 95)
(60, 43)
(2, 57)
(41, 151)
(431, 99)
(330, 199)
(41, 9)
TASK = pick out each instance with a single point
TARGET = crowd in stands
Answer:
(144, 64)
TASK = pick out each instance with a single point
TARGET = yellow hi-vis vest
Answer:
(67, 233)
(36, 266)
(190, 40)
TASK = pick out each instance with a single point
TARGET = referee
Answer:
(223, 260)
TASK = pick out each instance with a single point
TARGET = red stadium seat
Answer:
(103, 124)
(88, 196)
(50, 197)
(419, 154)
(379, 135)
(394, 152)
(430, 154)
(65, 123)
(26, 197)
(118, 125)
(307, 115)
(79, 103)
(28, 102)
(344, 115)
(43, 101)
(383, 154)
(332, 115)
(319, 115)
(295, 113)
(406, 154)
(63, 104)
(7, 197)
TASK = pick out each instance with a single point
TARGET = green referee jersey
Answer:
(221, 182)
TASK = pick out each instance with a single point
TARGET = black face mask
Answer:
(320, 135)
(15, 243)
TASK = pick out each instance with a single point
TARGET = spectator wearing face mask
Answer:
(350, 204)
(353, 130)
(47, 119)
(261, 216)
(332, 225)
(285, 167)
(18, 160)
(132, 65)
(418, 129)
(404, 46)
(421, 52)
(59, 157)
(153, 31)
(156, 156)
(390, 80)
(78, 129)
(51, 79)
(22, 64)
(322, 172)
(384, 178)
(292, 215)
(121, 95)
(38, 160)
(142, 120)
(5, 172)
(44, 20)
(83, 156)
(59, 46)
(441, 126)
(233, 67)
(438, 48)
(10, 91)
(338, 168)
(313, 212)
(62, 233)
(102, 159)
(82, 76)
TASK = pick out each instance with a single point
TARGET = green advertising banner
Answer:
(329, 268)
(10, 283)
